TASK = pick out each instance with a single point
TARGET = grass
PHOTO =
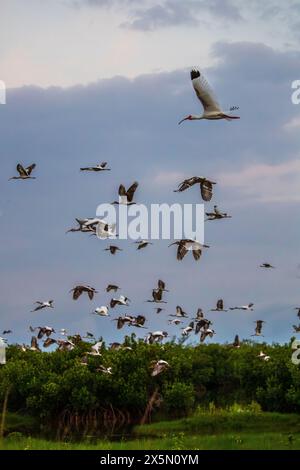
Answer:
(213, 429)
(230, 441)
(224, 422)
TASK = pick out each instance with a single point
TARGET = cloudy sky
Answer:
(94, 80)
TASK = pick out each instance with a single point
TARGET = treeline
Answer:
(50, 383)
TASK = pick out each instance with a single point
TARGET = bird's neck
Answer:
(196, 117)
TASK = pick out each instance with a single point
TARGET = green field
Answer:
(215, 430)
(230, 441)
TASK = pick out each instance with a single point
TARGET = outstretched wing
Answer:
(122, 190)
(77, 292)
(199, 313)
(206, 190)
(197, 254)
(204, 92)
(203, 336)
(48, 342)
(157, 370)
(30, 168)
(181, 251)
(111, 287)
(188, 183)
(41, 333)
(179, 311)
(34, 343)
(90, 294)
(140, 319)
(259, 325)
(131, 191)
(21, 170)
(39, 307)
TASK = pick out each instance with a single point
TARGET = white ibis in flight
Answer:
(243, 307)
(122, 300)
(99, 167)
(104, 370)
(188, 329)
(263, 356)
(101, 311)
(211, 107)
(41, 305)
(159, 366)
(217, 214)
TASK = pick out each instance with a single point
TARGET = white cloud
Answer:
(292, 125)
(168, 177)
(266, 183)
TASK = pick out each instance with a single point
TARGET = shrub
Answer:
(179, 398)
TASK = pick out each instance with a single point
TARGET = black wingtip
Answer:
(195, 74)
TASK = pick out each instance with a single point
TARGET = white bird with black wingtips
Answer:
(211, 107)
(41, 305)
(101, 311)
(263, 356)
(243, 307)
(159, 366)
(217, 214)
(122, 300)
(96, 168)
(95, 349)
(188, 329)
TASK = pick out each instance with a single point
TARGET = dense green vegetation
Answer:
(60, 392)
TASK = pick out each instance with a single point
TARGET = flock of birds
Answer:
(199, 324)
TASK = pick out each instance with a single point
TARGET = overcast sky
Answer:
(94, 80)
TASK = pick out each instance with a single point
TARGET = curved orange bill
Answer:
(184, 119)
